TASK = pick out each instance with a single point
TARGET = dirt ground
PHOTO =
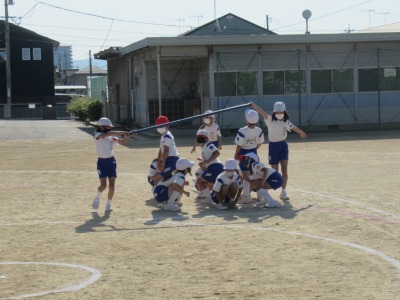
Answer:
(337, 238)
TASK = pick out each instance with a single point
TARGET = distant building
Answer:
(63, 58)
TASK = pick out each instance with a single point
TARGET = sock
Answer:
(206, 193)
(99, 194)
(108, 203)
(265, 194)
(283, 191)
(246, 188)
(174, 196)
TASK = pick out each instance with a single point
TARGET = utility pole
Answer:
(7, 108)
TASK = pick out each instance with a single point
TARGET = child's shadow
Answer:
(96, 221)
(160, 215)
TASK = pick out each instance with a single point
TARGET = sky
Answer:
(95, 25)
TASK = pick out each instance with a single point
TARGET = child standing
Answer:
(106, 164)
(169, 191)
(214, 132)
(278, 125)
(168, 154)
(248, 139)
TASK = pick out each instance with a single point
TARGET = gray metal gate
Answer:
(61, 111)
(24, 111)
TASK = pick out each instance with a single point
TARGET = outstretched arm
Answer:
(259, 110)
(302, 134)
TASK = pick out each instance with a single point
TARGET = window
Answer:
(273, 82)
(367, 80)
(37, 54)
(247, 83)
(26, 54)
(293, 79)
(321, 81)
(225, 84)
(342, 80)
(389, 79)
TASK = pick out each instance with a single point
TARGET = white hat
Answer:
(231, 164)
(183, 164)
(251, 116)
(202, 132)
(252, 155)
(279, 107)
(209, 112)
(105, 122)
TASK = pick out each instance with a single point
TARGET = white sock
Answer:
(108, 203)
(174, 196)
(246, 188)
(99, 194)
(206, 193)
(283, 191)
(265, 194)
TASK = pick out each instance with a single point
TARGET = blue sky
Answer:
(98, 24)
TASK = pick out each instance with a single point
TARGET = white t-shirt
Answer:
(258, 172)
(277, 130)
(178, 178)
(104, 146)
(249, 138)
(207, 151)
(223, 179)
(167, 139)
(213, 132)
(153, 169)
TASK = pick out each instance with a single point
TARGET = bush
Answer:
(85, 108)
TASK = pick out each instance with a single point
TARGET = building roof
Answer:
(394, 27)
(229, 24)
(95, 70)
(18, 32)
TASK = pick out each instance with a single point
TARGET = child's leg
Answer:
(111, 189)
(285, 176)
(100, 189)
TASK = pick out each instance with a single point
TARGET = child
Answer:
(169, 190)
(228, 186)
(209, 163)
(168, 154)
(106, 164)
(153, 175)
(214, 132)
(263, 179)
(248, 139)
(278, 150)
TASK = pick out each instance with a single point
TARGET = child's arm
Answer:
(219, 143)
(238, 148)
(124, 139)
(302, 134)
(259, 110)
(180, 189)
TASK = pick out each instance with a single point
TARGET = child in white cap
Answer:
(209, 163)
(228, 186)
(169, 191)
(105, 140)
(214, 132)
(248, 140)
(278, 151)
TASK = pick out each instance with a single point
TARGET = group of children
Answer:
(221, 185)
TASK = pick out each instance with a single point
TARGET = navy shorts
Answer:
(107, 167)
(244, 164)
(212, 172)
(215, 199)
(278, 151)
(150, 181)
(161, 193)
(170, 165)
(275, 180)
(215, 143)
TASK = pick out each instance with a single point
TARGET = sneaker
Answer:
(220, 206)
(171, 207)
(284, 196)
(96, 202)
(178, 203)
(271, 204)
(245, 200)
(109, 208)
(260, 202)
(208, 200)
(161, 205)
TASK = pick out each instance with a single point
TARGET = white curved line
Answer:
(95, 275)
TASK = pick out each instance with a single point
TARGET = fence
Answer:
(36, 111)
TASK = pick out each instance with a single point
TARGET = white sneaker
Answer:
(171, 207)
(208, 200)
(244, 199)
(178, 203)
(96, 202)
(220, 206)
(260, 202)
(284, 196)
(161, 205)
(108, 208)
(271, 204)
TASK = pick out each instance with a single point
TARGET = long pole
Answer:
(7, 110)
(189, 118)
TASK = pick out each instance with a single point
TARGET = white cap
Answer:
(202, 132)
(209, 112)
(252, 155)
(251, 116)
(183, 164)
(105, 122)
(231, 164)
(279, 107)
